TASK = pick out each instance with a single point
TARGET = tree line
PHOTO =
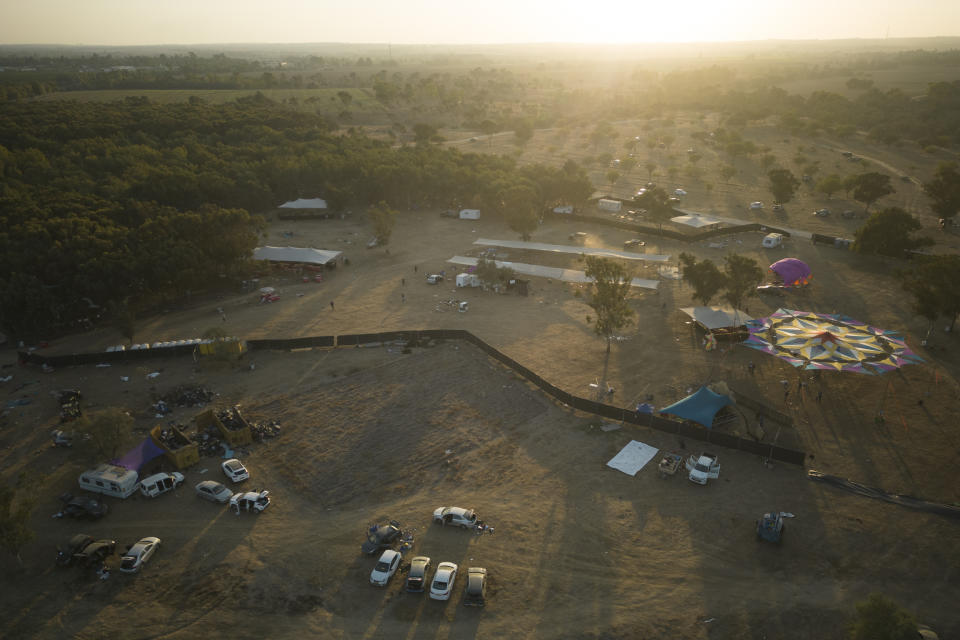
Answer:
(128, 205)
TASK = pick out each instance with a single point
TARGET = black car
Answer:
(96, 552)
(381, 536)
(417, 577)
(82, 507)
(475, 595)
(76, 544)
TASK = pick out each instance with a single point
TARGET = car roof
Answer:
(212, 484)
(446, 566)
(388, 555)
(420, 560)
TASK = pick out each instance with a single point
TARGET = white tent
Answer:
(717, 317)
(696, 220)
(305, 203)
(303, 255)
(563, 248)
(556, 273)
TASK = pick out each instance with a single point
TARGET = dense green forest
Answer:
(129, 204)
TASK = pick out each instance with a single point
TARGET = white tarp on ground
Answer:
(305, 203)
(717, 317)
(561, 248)
(633, 457)
(305, 255)
(696, 220)
(566, 275)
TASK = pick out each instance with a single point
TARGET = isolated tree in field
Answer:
(345, 97)
(944, 190)
(829, 185)
(704, 276)
(608, 297)
(870, 187)
(850, 183)
(612, 177)
(489, 272)
(934, 282)
(422, 133)
(887, 233)
(488, 128)
(16, 504)
(880, 618)
(656, 202)
(628, 164)
(523, 132)
(520, 209)
(783, 184)
(727, 171)
(108, 429)
(383, 218)
(742, 277)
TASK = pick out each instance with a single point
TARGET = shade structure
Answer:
(699, 407)
(792, 272)
(831, 342)
(140, 455)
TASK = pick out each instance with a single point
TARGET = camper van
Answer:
(772, 240)
(160, 483)
(110, 480)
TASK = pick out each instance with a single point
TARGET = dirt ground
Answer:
(578, 550)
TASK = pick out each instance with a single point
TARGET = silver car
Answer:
(213, 491)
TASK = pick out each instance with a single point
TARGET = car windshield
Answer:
(702, 467)
(127, 562)
(383, 566)
(439, 585)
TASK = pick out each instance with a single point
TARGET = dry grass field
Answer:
(578, 550)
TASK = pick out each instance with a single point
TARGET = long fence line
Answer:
(684, 429)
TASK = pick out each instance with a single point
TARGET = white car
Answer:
(456, 516)
(704, 467)
(213, 491)
(160, 483)
(138, 555)
(386, 567)
(250, 501)
(443, 580)
(756, 205)
(235, 470)
(679, 192)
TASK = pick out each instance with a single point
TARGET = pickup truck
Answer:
(703, 467)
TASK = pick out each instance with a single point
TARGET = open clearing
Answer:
(579, 550)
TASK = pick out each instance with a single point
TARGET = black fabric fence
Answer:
(685, 429)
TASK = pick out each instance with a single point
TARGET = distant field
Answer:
(325, 100)
(911, 80)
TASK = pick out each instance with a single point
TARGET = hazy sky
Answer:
(132, 22)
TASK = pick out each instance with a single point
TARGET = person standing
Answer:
(403, 297)
(331, 305)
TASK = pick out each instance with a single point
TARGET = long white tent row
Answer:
(566, 275)
(562, 248)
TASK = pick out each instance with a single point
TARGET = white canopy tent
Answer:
(562, 248)
(696, 220)
(302, 255)
(565, 275)
(717, 317)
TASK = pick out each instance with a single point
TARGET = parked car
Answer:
(634, 242)
(640, 192)
(82, 507)
(679, 192)
(704, 467)
(443, 581)
(255, 501)
(380, 537)
(76, 544)
(822, 213)
(456, 516)
(159, 483)
(756, 205)
(434, 278)
(417, 576)
(96, 552)
(213, 491)
(386, 567)
(476, 592)
(235, 470)
(137, 555)
(578, 235)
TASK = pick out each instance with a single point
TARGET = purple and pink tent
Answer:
(792, 272)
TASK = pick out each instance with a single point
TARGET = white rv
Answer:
(110, 480)
(772, 240)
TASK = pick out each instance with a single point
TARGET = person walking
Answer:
(819, 395)
(331, 305)
(403, 297)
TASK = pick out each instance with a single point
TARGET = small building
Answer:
(607, 204)
(304, 209)
(470, 214)
(299, 255)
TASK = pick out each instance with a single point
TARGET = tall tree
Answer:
(944, 190)
(108, 429)
(384, 218)
(783, 184)
(934, 282)
(706, 279)
(523, 132)
(422, 132)
(888, 233)
(488, 128)
(829, 185)
(520, 207)
(870, 187)
(608, 298)
(743, 274)
(16, 505)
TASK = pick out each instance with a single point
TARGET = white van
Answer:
(160, 483)
(110, 480)
(772, 240)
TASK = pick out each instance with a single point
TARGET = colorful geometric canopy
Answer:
(792, 272)
(829, 342)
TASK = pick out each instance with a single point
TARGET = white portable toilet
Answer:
(463, 306)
